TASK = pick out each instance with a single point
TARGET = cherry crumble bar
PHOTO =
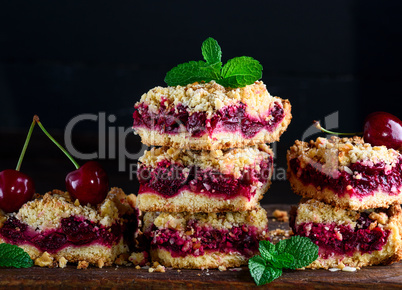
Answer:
(54, 229)
(346, 172)
(347, 237)
(207, 116)
(205, 240)
(176, 180)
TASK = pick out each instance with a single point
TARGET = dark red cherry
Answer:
(16, 188)
(381, 128)
(88, 184)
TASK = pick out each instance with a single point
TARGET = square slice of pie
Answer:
(205, 240)
(65, 231)
(346, 172)
(348, 237)
(177, 180)
(208, 116)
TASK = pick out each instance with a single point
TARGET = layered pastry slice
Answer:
(66, 231)
(347, 237)
(346, 172)
(207, 116)
(205, 240)
(176, 180)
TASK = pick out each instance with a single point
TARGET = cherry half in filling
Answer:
(74, 231)
(228, 119)
(168, 179)
(372, 178)
(339, 239)
(241, 239)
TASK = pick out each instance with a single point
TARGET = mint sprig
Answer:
(14, 256)
(296, 252)
(237, 72)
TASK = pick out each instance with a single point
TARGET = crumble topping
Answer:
(231, 161)
(47, 212)
(224, 220)
(210, 97)
(338, 153)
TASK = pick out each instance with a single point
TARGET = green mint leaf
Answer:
(190, 72)
(257, 266)
(270, 274)
(282, 260)
(14, 256)
(240, 71)
(267, 250)
(261, 272)
(301, 248)
(237, 72)
(211, 51)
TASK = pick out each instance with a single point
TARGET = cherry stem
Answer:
(318, 126)
(36, 118)
(24, 149)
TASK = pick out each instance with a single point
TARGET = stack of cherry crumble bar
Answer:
(200, 191)
(352, 193)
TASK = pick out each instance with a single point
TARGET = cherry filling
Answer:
(169, 179)
(372, 178)
(228, 119)
(338, 239)
(74, 231)
(242, 239)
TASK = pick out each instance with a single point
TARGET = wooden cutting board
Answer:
(377, 277)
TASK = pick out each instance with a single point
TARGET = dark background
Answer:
(59, 59)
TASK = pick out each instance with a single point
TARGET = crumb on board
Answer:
(62, 262)
(281, 215)
(82, 265)
(156, 267)
(222, 268)
(45, 260)
(100, 263)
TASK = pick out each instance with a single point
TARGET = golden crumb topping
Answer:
(47, 211)
(225, 220)
(232, 161)
(210, 97)
(339, 153)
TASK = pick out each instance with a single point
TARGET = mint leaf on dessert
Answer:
(190, 72)
(296, 252)
(237, 72)
(240, 71)
(211, 51)
(14, 256)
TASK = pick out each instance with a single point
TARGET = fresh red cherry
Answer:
(88, 184)
(381, 128)
(16, 188)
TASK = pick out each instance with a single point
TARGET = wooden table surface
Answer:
(377, 277)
